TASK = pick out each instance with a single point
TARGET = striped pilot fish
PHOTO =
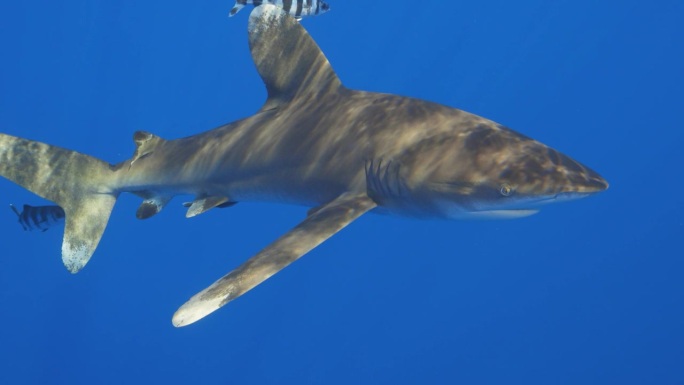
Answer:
(38, 217)
(296, 8)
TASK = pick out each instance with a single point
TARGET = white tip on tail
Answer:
(76, 182)
(75, 257)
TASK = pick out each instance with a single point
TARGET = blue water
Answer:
(586, 292)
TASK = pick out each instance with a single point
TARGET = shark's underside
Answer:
(314, 142)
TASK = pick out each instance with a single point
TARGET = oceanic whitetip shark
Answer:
(314, 142)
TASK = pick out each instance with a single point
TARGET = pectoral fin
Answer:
(315, 229)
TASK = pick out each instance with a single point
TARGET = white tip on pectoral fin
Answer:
(315, 229)
(195, 309)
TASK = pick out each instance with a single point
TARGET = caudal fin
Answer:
(74, 181)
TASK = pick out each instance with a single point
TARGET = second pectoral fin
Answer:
(315, 229)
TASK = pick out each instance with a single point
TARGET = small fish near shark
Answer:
(314, 142)
(296, 8)
(38, 217)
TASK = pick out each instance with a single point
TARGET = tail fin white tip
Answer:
(85, 224)
(72, 180)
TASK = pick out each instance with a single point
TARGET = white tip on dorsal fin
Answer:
(145, 143)
(287, 59)
(204, 204)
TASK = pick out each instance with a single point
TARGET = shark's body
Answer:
(314, 142)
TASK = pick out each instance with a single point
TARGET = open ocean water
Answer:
(585, 292)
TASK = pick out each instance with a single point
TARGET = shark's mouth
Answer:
(495, 214)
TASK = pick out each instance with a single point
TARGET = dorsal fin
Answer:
(288, 60)
(145, 143)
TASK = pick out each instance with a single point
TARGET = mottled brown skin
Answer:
(313, 140)
(313, 149)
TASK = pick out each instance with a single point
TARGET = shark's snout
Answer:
(575, 177)
(595, 183)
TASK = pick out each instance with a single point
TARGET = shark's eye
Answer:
(506, 190)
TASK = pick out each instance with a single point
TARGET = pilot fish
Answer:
(296, 8)
(39, 217)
